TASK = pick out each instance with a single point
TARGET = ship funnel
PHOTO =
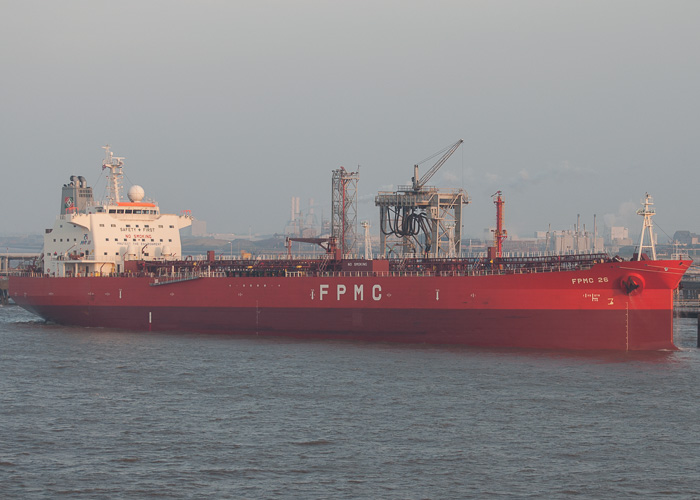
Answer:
(83, 182)
(74, 180)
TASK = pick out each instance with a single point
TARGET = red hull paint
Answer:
(559, 310)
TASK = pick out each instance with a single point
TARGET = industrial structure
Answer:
(344, 208)
(422, 220)
(499, 234)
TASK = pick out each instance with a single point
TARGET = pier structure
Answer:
(435, 214)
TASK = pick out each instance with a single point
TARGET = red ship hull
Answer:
(582, 309)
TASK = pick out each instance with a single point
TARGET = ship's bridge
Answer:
(140, 209)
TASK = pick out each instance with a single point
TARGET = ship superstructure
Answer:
(93, 238)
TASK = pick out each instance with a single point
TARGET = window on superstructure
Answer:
(170, 240)
(137, 211)
(160, 239)
(160, 226)
(114, 225)
(105, 253)
(106, 239)
(172, 227)
(102, 225)
(128, 225)
(146, 225)
(120, 211)
(112, 211)
(54, 240)
(128, 211)
(115, 239)
(117, 253)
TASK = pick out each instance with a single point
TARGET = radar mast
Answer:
(647, 212)
(114, 177)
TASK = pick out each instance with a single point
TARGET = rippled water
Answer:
(98, 413)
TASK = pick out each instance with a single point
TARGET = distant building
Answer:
(198, 228)
(686, 238)
(300, 224)
(620, 236)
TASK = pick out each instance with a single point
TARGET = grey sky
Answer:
(230, 108)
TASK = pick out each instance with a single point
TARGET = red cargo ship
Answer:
(118, 264)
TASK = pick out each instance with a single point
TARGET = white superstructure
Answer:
(92, 238)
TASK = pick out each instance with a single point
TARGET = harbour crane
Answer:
(422, 220)
(448, 151)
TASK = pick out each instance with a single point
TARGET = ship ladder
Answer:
(170, 281)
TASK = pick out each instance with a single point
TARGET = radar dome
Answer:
(135, 193)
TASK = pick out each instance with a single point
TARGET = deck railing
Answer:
(173, 277)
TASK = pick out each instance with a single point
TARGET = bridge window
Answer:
(114, 225)
(102, 225)
(112, 211)
(128, 211)
(120, 211)
(172, 227)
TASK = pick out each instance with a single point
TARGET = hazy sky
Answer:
(230, 108)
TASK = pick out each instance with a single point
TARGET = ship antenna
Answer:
(647, 212)
(114, 178)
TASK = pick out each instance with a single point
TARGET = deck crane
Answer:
(422, 220)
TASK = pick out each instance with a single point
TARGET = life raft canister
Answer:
(632, 284)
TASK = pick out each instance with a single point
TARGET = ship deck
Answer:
(176, 271)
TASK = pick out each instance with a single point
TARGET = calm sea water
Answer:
(99, 413)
